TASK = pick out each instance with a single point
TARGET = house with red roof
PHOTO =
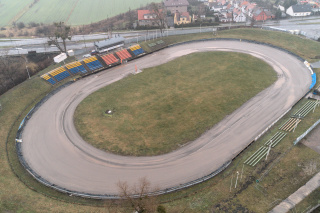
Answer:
(147, 18)
(182, 18)
(262, 15)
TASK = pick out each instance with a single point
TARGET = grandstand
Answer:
(123, 54)
(136, 50)
(48, 79)
(59, 73)
(76, 67)
(109, 44)
(93, 63)
(109, 59)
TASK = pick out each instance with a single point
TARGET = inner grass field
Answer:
(167, 106)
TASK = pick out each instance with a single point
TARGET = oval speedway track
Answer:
(55, 151)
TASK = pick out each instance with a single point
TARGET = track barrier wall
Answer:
(306, 132)
(160, 192)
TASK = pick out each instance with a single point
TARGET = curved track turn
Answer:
(53, 148)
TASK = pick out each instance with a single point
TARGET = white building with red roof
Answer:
(146, 18)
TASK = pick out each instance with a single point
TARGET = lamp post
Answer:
(25, 58)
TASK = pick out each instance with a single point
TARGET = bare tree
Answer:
(160, 15)
(62, 32)
(138, 198)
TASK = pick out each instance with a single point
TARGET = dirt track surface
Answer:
(54, 149)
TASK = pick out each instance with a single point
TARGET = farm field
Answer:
(87, 12)
(73, 12)
(48, 11)
(9, 9)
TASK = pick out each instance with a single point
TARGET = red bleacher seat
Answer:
(123, 54)
(109, 59)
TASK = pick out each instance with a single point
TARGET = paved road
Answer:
(54, 149)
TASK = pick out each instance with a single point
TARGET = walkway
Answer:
(298, 196)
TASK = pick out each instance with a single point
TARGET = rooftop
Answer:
(170, 3)
(108, 42)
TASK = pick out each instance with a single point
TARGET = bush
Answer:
(196, 24)
(161, 209)
(20, 25)
(33, 24)
(3, 36)
(147, 27)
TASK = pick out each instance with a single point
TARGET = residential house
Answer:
(239, 16)
(225, 16)
(262, 15)
(176, 5)
(299, 10)
(146, 18)
(182, 18)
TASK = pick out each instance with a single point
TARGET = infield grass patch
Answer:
(167, 106)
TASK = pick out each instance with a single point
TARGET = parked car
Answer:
(86, 55)
(94, 52)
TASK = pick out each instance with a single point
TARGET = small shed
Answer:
(60, 57)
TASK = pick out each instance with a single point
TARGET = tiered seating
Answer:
(59, 73)
(48, 79)
(263, 150)
(109, 59)
(307, 107)
(123, 54)
(93, 63)
(136, 49)
(76, 67)
(290, 124)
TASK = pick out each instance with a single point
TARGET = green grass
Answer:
(309, 23)
(169, 105)
(9, 9)
(87, 12)
(16, 197)
(305, 48)
(49, 11)
(73, 12)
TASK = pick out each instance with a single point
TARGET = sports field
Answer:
(73, 12)
(214, 195)
(172, 104)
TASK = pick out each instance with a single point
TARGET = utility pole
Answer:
(268, 150)
(241, 171)
(27, 67)
(235, 186)
(85, 45)
(315, 105)
(231, 183)
(295, 126)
